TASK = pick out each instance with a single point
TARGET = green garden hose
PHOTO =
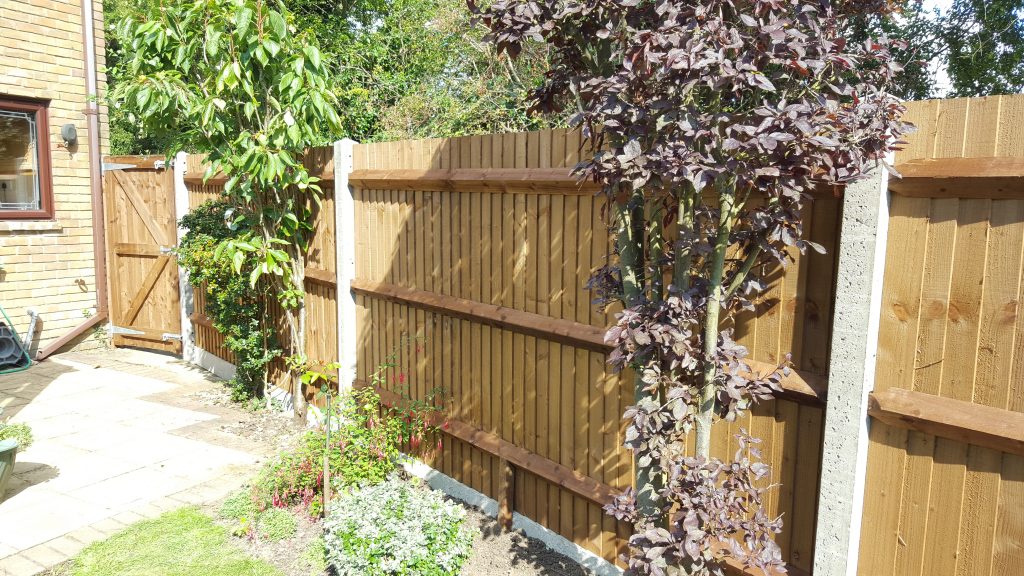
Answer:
(13, 356)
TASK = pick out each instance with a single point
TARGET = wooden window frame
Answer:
(40, 109)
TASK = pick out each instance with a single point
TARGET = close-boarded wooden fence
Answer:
(482, 246)
(945, 479)
(478, 250)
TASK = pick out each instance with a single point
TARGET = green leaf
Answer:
(242, 20)
(313, 54)
(237, 260)
(254, 277)
(261, 55)
(277, 24)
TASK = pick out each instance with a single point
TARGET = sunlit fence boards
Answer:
(951, 328)
(445, 225)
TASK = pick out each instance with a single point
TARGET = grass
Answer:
(184, 542)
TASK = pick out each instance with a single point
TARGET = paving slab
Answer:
(115, 442)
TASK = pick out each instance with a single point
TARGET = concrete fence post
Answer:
(851, 375)
(181, 208)
(345, 232)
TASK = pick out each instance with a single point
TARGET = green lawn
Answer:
(180, 543)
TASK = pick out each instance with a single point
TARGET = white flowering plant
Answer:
(396, 528)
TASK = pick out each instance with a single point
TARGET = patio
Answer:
(117, 439)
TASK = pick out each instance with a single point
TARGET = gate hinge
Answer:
(112, 330)
(108, 166)
(167, 249)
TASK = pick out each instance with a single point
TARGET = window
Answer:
(25, 190)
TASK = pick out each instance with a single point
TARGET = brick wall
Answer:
(49, 266)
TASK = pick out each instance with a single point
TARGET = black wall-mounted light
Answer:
(70, 134)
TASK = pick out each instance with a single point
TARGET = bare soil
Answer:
(500, 552)
(268, 427)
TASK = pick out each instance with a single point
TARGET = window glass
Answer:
(19, 161)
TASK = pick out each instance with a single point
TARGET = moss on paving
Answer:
(184, 542)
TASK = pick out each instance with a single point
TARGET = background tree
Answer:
(918, 29)
(233, 79)
(713, 120)
(399, 69)
(977, 44)
(984, 43)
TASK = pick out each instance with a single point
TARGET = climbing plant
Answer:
(713, 120)
(232, 78)
(236, 309)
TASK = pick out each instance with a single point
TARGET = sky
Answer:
(942, 84)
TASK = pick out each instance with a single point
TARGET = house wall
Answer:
(48, 265)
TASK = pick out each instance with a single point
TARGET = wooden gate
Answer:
(143, 273)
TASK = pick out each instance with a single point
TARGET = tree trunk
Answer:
(630, 241)
(706, 407)
(687, 199)
(297, 329)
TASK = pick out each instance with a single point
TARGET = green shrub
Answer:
(276, 524)
(20, 433)
(236, 308)
(396, 528)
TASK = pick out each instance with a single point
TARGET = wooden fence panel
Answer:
(950, 328)
(531, 248)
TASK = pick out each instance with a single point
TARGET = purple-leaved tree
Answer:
(713, 119)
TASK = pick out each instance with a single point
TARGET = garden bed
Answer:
(495, 551)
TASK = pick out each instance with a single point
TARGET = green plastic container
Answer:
(8, 453)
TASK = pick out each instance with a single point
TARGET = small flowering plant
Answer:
(361, 440)
(363, 449)
(421, 419)
(396, 528)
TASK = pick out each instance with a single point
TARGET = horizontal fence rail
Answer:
(967, 422)
(993, 178)
(799, 386)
